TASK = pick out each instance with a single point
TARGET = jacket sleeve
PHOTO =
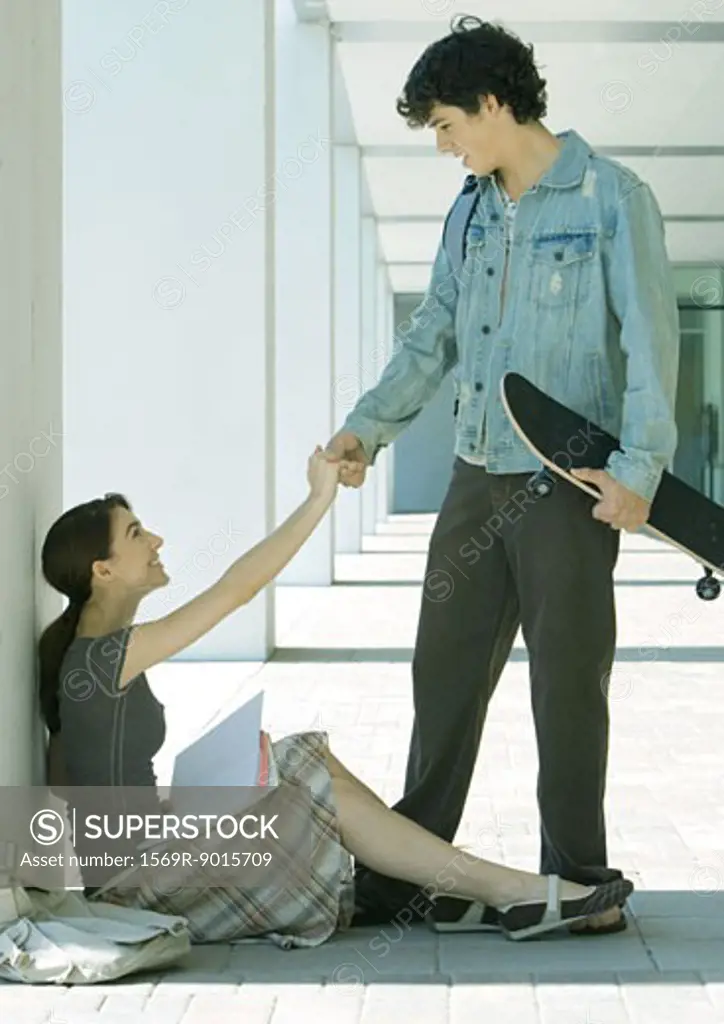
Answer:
(424, 352)
(642, 293)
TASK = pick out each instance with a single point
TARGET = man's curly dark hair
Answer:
(477, 59)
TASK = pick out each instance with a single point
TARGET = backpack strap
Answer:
(455, 230)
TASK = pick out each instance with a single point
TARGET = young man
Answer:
(565, 280)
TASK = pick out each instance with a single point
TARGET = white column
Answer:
(30, 360)
(348, 363)
(389, 346)
(384, 343)
(169, 285)
(372, 363)
(303, 202)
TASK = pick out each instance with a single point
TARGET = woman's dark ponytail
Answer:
(53, 644)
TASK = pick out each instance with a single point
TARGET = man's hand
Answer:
(346, 447)
(621, 508)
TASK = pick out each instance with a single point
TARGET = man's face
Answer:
(474, 138)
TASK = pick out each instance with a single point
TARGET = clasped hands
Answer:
(342, 461)
(346, 450)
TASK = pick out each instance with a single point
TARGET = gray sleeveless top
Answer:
(109, 736)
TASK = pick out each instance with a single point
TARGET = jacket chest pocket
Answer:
(476, 253)
(561, 266)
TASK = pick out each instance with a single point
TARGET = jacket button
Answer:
(486, 329)
(478, 386)
(490, 271)
(495, 216)
(559, 256)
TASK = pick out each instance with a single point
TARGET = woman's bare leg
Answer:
(393, 845)
(338, 771)
(454, 858)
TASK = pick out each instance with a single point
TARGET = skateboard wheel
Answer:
(708, 588)
(541, 484)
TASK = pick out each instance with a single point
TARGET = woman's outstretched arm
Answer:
(154, 642)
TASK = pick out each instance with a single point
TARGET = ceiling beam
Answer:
(393, 152)
(662, 32)
(311, 11)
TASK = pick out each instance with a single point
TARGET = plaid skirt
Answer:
(303, 908)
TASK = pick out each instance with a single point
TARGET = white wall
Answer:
(30, 340)
(347, 385)
(373, 354)
(169, 284)
(384, 464)
(304, 255)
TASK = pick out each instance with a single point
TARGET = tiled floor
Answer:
(343, 665)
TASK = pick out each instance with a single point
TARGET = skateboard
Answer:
(563, 440)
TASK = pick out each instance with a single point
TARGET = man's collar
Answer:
(570, 164)
(567, 170)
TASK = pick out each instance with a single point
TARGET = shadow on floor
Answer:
(416, 582)
(645, 653)
(671, 935)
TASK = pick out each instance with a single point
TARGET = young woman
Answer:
(108, 726)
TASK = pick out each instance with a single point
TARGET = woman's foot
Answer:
(563, 904)
(534, 889)
(461, 914)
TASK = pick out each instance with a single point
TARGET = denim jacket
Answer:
(588, 313)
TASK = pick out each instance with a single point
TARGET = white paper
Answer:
(226, 755)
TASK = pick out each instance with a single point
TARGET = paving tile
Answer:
(658, 903)
(585, 998)
(505, 1001)
(306, 1005)
(33, 1015)
(675, 954)
(467, 956)
(391, 1004)
(218, 1008)
(714, 987)
(675, 998)
(680, 929)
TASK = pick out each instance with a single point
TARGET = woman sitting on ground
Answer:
(101, 557)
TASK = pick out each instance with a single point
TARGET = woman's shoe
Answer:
(619, 925)
(525, 920)
(459, 914)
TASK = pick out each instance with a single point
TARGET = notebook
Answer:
(232, 752)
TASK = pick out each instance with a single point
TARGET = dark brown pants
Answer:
(500, 558)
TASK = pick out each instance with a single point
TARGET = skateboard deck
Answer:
(563, 440)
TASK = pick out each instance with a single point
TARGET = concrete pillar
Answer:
(169, 285)
(304, 196)
(30, 360)
(389, 346)
(383, 466)
(348, 362)
(372, 361)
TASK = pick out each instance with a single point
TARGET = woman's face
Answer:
(134, 563)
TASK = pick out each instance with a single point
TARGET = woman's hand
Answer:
(323, 475)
